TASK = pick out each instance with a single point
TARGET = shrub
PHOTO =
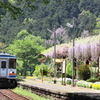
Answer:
(92, 80)
(79, 83)
(51, 72)
(68, 81)
(83, 84)
(38, 70)
(20, 77)
(69, 69)
(84, 72)
(45, 69)
(75, 81)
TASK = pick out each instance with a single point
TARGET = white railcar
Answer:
(7, 70)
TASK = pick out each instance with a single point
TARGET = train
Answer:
(7, 70)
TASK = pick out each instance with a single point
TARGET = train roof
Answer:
(7, 55)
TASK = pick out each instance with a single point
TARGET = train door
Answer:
(3, 68)
(12, 68)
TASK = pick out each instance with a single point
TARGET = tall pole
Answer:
(73, 53)
(42, 65)
(73, 56)
(55, 67)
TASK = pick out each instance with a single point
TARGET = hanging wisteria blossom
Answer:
(92, 50)
(78, 51)
(49, 54)
(70, 52)
(85, 49)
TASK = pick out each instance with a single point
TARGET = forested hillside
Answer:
(55, 14)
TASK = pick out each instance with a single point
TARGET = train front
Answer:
(8, 70)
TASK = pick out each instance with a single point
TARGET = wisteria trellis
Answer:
(86, 48)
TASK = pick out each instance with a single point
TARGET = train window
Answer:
(12, 63)
(3, 64)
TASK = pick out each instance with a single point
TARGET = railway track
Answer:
(7, 94)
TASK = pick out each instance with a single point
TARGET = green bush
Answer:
(79, 83)
(51, 72)
(68, 81)
(37, 71)
(45, 70)
(20, 77)
(83, 84)
(84, 72)
(69, 69)
(39, 68)
(92, 80)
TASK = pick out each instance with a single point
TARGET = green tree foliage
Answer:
(27, 49)
(84, 72)
(46, 16)
(39, 68)
(37, 71)
(48, 68)
(2, 47)
(17, 8)
(15, 11)
(69, 69)
(20, 68)
(37, 22)
(22, 34)
(96, 30)
(92, 6)
(86, 21)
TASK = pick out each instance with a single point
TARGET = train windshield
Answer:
(3, 64)
(12, 63)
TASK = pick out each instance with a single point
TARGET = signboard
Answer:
(41, 58)
(64, 66)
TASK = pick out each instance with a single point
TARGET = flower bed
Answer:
(69, 81)
(95, 85)
(30, 77)
(83, 84)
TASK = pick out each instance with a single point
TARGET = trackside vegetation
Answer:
(28, 94)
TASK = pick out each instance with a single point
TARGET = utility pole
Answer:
(73, 26)
(55, 67)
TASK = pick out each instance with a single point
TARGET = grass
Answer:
(28, 93)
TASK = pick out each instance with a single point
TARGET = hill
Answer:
(56, 13)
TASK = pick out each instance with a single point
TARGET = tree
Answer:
(69, 69)
(15, 11)
(84, 72)
(2, 47)
(10, 6)
(96, 30)
(86, 21)
(92, 6)
(27, 50)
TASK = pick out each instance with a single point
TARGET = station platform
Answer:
(58, 86)
(58, 91)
